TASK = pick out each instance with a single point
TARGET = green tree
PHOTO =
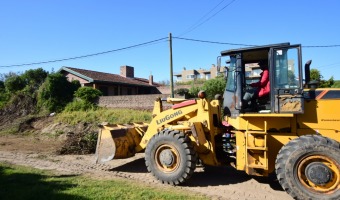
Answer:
(214, 86)
(315, 75)
(34, 77)
(56, 92)
(291, 78)
(2, 86)
(193, 91)
(14, 84)
(5, 76)
(327, 83)
(4, 96)
(336, 84)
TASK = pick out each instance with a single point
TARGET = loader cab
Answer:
(285, 76)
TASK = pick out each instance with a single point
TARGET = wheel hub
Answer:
(166, 158)
(318, 173)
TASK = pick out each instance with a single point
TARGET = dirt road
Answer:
(217, 183)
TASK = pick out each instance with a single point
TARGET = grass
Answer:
(17, 182)
(114, 116)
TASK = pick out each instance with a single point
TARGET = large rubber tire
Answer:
(170, 157)
(308, 167)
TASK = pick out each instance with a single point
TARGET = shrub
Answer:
(2, 86)
(194, 91)
(4, 98)
(181, 91)
(15, 83)
(87, 94)
(214, 86)
(56, 92)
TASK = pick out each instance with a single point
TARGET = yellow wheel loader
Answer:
(293, 131)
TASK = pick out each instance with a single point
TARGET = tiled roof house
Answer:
(112, 84)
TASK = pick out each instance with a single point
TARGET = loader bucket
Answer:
(118, 140)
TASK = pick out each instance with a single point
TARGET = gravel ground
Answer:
(216, 183)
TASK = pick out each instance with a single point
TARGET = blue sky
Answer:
(44, 30)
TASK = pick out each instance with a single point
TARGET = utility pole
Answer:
(171, 72)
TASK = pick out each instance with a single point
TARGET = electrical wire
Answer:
(151, 43)
(323, 46)
(198, 21)
(88, 55)
(329, 66)
(253, 45)
(200, 24)
(212, 42)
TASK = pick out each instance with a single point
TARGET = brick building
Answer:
(194, 74)
(112, 84)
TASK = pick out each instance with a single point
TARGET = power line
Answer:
(253, 45)
(88, 55)
(151, 43)
(212, 42)
(198, 21)
(200, 24)
(322, 46)
(329, 66)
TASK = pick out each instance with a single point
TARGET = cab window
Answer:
(286, 68)
(231, 75)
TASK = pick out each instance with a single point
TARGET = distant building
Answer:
(112, 84)
(194, 74)
(252, 72)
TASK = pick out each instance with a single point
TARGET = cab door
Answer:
(286, 79)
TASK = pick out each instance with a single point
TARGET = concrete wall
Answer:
(144, 102)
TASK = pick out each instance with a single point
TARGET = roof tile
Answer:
(106, 77)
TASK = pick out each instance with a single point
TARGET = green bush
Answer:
(34, 77)
(2, 86)
(56, 92)
(4, 98)
(336, 84)
(15, 83)
(194, 91)
(214, 86)
(181, 91)
(87, 94)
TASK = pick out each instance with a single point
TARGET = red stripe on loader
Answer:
(323, 93)
(183, 104)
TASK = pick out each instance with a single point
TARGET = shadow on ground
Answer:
(21, 185)
(210, 176)
(136, 166)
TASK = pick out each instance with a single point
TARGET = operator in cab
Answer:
(259, 89)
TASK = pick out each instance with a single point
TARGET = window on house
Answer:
(207, 76)
(191, 76)
(199, 76)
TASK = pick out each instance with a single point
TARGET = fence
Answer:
(144, 102)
